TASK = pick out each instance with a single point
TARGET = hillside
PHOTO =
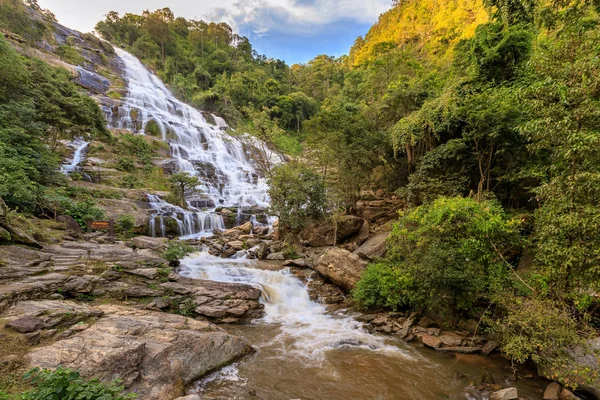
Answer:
(430, 29)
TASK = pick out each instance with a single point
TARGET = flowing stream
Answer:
(307, 352)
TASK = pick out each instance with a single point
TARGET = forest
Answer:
(482, 117)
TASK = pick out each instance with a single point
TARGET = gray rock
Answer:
(155, 354)
(552, 392)
(279, 256)
(342, 267)
(505, 394)
(190, 397)
(489, 347)
(375, 247)
(26, 325)
(145, 242)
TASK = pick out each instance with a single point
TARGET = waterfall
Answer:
(222, 161)
(190, 223)
(81, 147)
(305, 325)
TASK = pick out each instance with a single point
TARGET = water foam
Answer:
(307, 330)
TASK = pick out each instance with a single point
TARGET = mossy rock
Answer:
(152, 128)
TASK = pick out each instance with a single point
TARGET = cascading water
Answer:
(222, 162)
(80, 147)
(287, 303)
(305, 352)
(191, 222)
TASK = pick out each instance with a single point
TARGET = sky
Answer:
(292, 30)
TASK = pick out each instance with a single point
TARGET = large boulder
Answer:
(341, 267)
(375, 247)
(155, 354)
(584, 358)
(146, 242)
(319, 234)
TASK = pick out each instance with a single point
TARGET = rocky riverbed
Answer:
(119, 310)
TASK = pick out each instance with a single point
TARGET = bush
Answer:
(297, 195)
(382, 286)
(442, 256)
(82, 211)
(65, 384)
(177, 250)
(126, 164)
(125, 225)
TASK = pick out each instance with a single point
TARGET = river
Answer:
(305, 351)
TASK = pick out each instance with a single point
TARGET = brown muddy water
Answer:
(306, 352)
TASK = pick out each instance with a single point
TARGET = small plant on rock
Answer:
(65, 384)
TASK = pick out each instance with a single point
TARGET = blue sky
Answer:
(292, 30)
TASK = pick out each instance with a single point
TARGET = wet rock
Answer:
(26, 325)
(145, 242)
(430, 341)
(299, 263)
(427, 322)
(375, 247)
(566, 394)
(245, 228)
(505, 394)
(460, 350)
(279, 256)
(552, 392)
(451, 339)
(236, 245)
(155, 354)
(342, 267)
(489, 347)
(322, 235)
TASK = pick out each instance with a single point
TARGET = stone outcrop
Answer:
(341, 267)
(155, 354)
(375, 247)
(322, 235)
(583, 358)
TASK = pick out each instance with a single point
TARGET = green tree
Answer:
(297, 195)
(182, 183)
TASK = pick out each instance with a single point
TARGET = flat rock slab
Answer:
(155, 354)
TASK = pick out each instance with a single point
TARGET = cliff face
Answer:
(429, 28)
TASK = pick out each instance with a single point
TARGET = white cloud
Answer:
(258, 16)
(297, 16)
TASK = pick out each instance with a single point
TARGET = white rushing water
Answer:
(307, 330)
(80, 147)
(190, 223)
(222, 162)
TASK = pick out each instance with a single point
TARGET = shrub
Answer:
(177, 250)
(125, 225)
(81, 211)
(65, 384)
(382, 286)
(297, 195)
(444, 255)
(126, 164)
